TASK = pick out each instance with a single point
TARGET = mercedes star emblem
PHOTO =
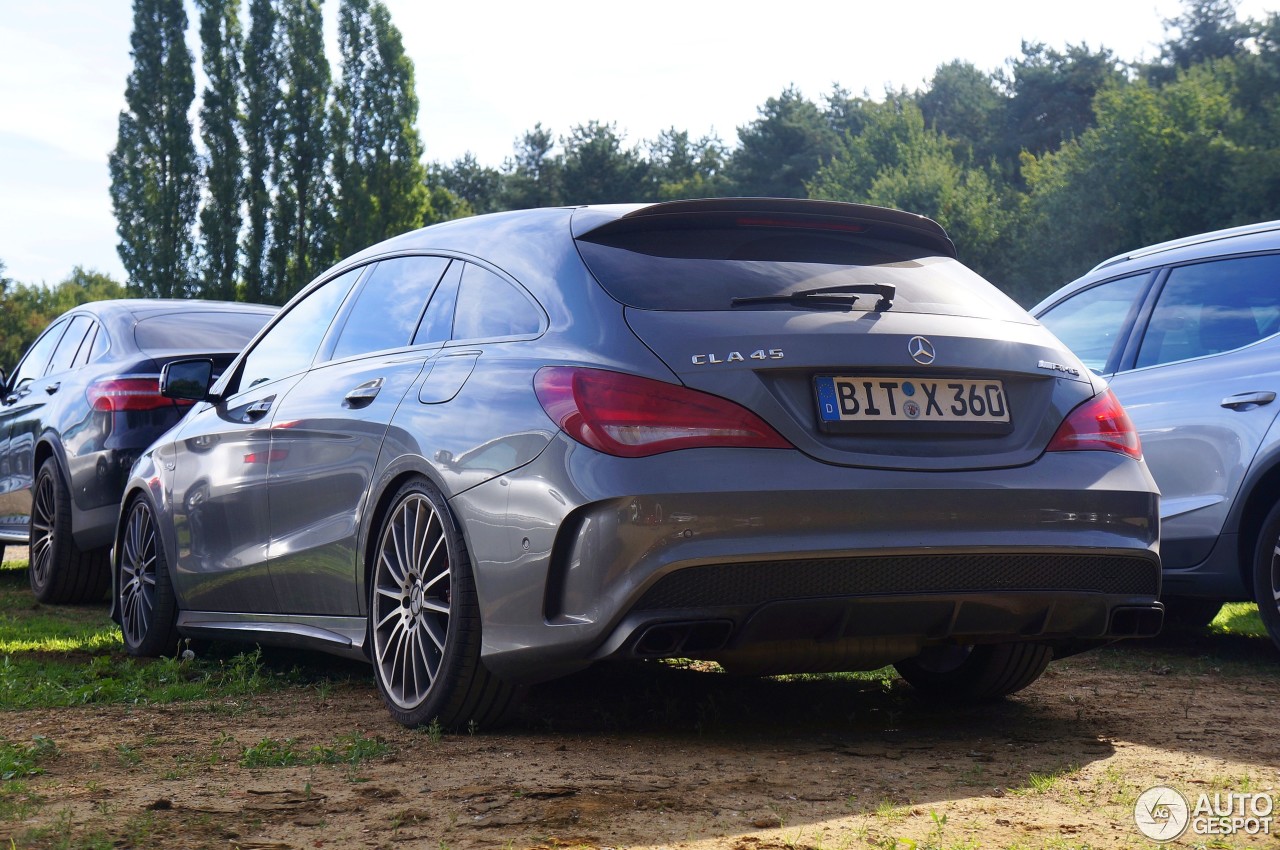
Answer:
(921, 350)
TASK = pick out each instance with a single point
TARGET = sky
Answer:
(487, 71)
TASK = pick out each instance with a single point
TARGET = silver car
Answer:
(1185, 332)
(781, 435)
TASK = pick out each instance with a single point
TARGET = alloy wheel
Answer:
(43, 519)
(138, 568)
(411, 601)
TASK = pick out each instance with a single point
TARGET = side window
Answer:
(89, 348)
(33, 365)
(1208, 308)
(64, 356)
(1090, 322)
(291, 344)
(101, 345)
(437, 321)
(489, 307)
(388, 305)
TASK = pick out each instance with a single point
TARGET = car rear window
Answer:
(205, 331)
(706, 268)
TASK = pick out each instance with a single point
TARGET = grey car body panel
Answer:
(1206, 457)
(523, 493)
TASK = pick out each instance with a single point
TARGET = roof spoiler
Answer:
(781, 212)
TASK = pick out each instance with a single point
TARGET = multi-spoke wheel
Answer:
(424, 621)
(147, 606)
(975, 672)
(59, 571)
(1266, 574)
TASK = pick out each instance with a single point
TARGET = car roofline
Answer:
(1187, 241)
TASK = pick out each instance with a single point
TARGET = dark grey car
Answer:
(1186, 333)
(782, 435)
(76, 412)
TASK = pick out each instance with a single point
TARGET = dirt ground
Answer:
(652, 756)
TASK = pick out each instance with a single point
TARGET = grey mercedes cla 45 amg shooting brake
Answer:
(781, 435)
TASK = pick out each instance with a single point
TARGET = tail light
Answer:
(1100, 424)
(629, 416)
(128, 393)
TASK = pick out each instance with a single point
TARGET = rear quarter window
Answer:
(706, 268)
(204, 331)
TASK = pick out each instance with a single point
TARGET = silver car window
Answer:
(388, 305)
(1091, 321)
(1208, 308)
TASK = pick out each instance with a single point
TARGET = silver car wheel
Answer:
(43, 520)
(138, 574)
(411, 601)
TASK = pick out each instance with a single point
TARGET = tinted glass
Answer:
(1090, 321)
(388, 305)
(100, 346)
(1213, 307)
(64, 356)
(291, 344)
(490, 307)
(204, 332)
(706, 268)
(33, 365)
(437, 321)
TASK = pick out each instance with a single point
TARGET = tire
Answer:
(1266, 574)
(148, 607)
(1189, 613)
(975, 673)
(60, 573)
(424, 619)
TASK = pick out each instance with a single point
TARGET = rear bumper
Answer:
(579, 556)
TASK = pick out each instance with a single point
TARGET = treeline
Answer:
(1037, 170)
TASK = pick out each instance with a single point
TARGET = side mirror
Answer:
(187, 380)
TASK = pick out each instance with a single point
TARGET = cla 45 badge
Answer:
(737, 357)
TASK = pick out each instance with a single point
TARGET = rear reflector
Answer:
(1100, 424)
(629, 416)
(128, 393)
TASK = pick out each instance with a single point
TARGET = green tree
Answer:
(262, 104)
(965, 104)
(899, 162)
(378, 173)
(30, 309)
(155, 187)
(1052, 95)
(683, 168)
(1206, 30)
(478, 186)
(301, 217)
(533, 174)
(220, 123)
(598, 169)
(1159, 164)
(782, 149)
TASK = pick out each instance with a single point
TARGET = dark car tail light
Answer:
(128, 393)
(629, 416)
(1100, 424)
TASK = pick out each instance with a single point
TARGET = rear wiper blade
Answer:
(827, 296)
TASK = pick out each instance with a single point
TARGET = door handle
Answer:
(258, 409)
(52, 388)
(364, 394)
(1248, 401)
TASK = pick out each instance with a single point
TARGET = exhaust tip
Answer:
(665, 640)
(1136, 621)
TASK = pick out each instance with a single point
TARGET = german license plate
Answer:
(855, 399)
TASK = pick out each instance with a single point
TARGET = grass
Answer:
(348, 749)
(1238, 618)
(58, 656)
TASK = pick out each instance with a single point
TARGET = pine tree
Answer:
(302, 214)
(262, 101)
(220, 123)
(155, 187)
(377, 164)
